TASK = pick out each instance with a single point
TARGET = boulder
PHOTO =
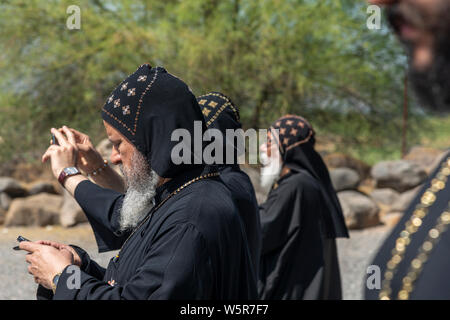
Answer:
(385, 196)
(424, 157)
(12, 187)
(104, 148)
(344, 179)
(339, 160)
(400, 175)
(392, 219)
(70, 213)
(405, 199)
(38, 210)
(5, 201)
(42, 187)
(359, 210)
(2, 215)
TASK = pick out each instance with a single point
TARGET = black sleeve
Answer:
(88, 265)
(102, 208)
(277, 216)
(176, 266)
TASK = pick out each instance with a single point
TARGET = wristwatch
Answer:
(67, 172)
(55, 282)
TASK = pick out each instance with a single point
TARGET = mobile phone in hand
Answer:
(54, 141)
(20, 239)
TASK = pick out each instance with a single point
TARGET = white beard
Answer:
(141, 183)
(271, 170)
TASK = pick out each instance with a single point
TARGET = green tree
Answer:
(313, 58)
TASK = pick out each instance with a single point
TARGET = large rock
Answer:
(38, 210)
(400, 175)
(359, 210)
(339, 160)
(42, 187)
(385, 196)
(344, 179)
(104, 148)
(5, 201)
(71, 213)
(424, 157)
(12, 187)
(405, 200)
(2, 215)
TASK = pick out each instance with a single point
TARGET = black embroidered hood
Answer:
(146, 108)
(296, 144)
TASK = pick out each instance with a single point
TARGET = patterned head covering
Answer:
(146, 108)
(293, 132)
(296, 144)
(221, 113)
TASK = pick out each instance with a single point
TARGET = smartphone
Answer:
(54, 141)
(20, 239)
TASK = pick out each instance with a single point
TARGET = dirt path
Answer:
(15, 282)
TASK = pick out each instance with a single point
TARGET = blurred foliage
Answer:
(272, 57)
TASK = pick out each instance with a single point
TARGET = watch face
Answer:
(71, 170)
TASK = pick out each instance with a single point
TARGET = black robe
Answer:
(243, 193)
(433, 281)
(193, 247)
(298, 261)
(104, 219)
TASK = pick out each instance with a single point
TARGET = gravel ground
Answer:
(355, 255)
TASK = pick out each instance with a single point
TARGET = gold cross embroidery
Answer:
(212, 104)
(124, 86)
(110, 99)
(126, 110)
(116, 103)
(206, 112)
(293, 131)
(131, 92)
(202, 102)
(142, 78)
(289, 122)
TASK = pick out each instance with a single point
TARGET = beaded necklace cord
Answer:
(411, 227)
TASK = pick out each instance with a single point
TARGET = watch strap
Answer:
(64, 174)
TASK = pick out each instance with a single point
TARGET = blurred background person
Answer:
(414, 259)
(300, 219)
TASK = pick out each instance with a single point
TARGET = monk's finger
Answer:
(29, 246)
(70, 136)
(48, 153)
(60, 137)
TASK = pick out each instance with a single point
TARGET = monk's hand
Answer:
(60, 246)
(63, 155)
(45, 261)
(89, 159)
